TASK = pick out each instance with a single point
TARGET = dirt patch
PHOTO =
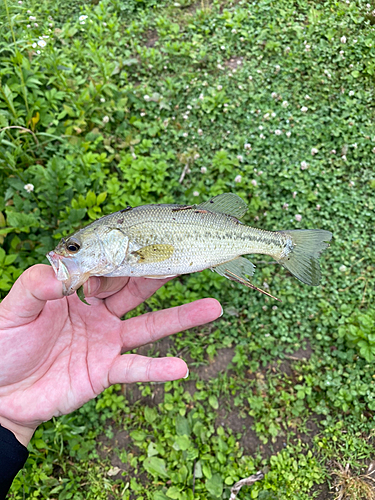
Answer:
(234, 62)
(324, 492)
(151, 38)
(217, 365)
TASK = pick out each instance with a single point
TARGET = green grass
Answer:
(107, 112)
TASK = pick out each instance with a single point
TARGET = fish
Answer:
(166, 240)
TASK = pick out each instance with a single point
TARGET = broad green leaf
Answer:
(156, 466)
(215, 485)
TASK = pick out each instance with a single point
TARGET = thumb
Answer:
(29, 294)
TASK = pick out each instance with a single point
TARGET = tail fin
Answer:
(302, 259)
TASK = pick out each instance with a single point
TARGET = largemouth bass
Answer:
(159, 241)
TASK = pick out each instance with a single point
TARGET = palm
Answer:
(59, 354)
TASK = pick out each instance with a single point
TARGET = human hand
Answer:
(58, 353)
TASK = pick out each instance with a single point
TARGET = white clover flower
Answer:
(274, 95)
(222, 47)
(143, 113)
(240, 157)
(185, 117)
(284, 104)
(373, 150)
(20, 2)
(189, 107)
(351, 183)
(36, 25)
(285, 206)
(28, 26)
(34, 45)
(344, 157)
(250, 78)
(262, 136)
(343, 39)
(278, 132)
(203, 170)
(314, 151)
(260, 172)
(200, 131)
(38, 51)
(304, 109)
(342, 268)
(32, 18)
(333, 151)
(304, 165)
(102, 99)
(307, 48)
(42, 43)
(105, 119)
(318, 207)
(351, 93)
(273, 114)
(201, 97)
(196, 193)
(238, 178)
(287, 49)
(298, 217)
(260, 127)
(294, 194)
(267, 115)
(341, 52)
(355, 145)
(29, 187)
(274, 308)
(288, 134)
(82, 18)
(146, 97)
(197, 155)
(247, 146)
(307, 97)
(254, 182)
(234, 30)
(134, 156)
(185, 134)
(242, 39)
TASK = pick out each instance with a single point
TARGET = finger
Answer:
(156, 325)
(134, 368)
(136, 291)
(30, 292)
(102, 287)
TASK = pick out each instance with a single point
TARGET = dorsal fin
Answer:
(227, 203)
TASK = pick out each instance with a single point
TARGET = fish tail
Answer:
(301, 255)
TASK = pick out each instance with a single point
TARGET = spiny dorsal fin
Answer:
(227, 203)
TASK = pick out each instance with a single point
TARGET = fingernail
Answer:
(187, 374)
(93, 285)
(222, 312)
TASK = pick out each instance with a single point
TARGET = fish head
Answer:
(96, 250)
(75, 259)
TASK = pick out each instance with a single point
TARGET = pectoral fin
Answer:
(153, 253)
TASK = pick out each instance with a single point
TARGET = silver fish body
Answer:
(168, 240)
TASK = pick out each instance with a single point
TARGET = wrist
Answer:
(22, 433)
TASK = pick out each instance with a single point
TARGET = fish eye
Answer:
(73, 246)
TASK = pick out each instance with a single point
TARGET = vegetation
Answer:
(106, 104)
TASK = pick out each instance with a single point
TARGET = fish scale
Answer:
(167, 240)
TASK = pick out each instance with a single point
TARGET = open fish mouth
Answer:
(62, 273)
(71, 277)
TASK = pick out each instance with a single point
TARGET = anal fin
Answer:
(236, 270)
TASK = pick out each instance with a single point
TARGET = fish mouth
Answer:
(71, 278)
(61, 271)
